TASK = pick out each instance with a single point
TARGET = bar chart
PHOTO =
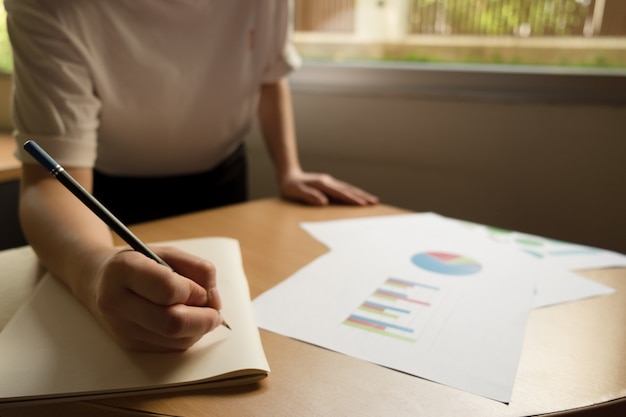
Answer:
(397, 308)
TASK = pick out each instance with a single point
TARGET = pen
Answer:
(93, 204)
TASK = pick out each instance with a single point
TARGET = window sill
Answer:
(506, 83)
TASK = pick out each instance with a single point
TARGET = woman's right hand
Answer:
(148, 307)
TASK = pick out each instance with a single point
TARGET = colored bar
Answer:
(392, 295)
(380, 332)
(396, 282)
(383, 307)
(354, 319)
(382, 310)
(374, 310)
(376, 324)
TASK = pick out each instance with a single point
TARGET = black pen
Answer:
(92, 203)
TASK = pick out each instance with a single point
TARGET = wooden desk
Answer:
(573, 354)
(9, 166)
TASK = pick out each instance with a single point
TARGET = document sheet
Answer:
(423, 294)
(450, 310)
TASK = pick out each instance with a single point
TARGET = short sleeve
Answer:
(285, 58)
(53, 98)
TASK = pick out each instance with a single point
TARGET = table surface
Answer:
(573, 357)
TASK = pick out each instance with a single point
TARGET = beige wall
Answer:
(554, 170)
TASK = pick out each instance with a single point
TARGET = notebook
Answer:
(53, 349)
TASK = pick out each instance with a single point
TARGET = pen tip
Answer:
(224, 322)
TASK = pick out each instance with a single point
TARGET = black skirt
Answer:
(139, 199)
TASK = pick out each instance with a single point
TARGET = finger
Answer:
(160, 285)
(343, 192)
(308, 195)
(215, 299)
(181, 321)
(363, 195)
(191, 266)
(172, 322)
(141, 339)
(197, 269)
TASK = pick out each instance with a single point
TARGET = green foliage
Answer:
(6, 58)
(496, 58)
(500, 17)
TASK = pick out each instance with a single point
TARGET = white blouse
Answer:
(143, 87)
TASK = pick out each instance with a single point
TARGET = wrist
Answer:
(84, 282)
(286, 175)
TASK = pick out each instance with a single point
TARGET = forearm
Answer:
(277, 125)
(70, 241)
(143, 304)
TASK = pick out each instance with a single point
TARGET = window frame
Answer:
(477, 82)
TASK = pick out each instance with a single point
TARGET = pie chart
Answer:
(446, 263)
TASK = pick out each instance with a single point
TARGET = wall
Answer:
(551, 168)
(554, 169)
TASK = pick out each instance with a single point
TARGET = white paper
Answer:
(465, 331)
(570, 256)
(556, 283)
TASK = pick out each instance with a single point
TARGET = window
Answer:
(580, 33)
(587, 33)
(441, 37)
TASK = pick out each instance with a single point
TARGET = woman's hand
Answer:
(322, 189)
(148, 307)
